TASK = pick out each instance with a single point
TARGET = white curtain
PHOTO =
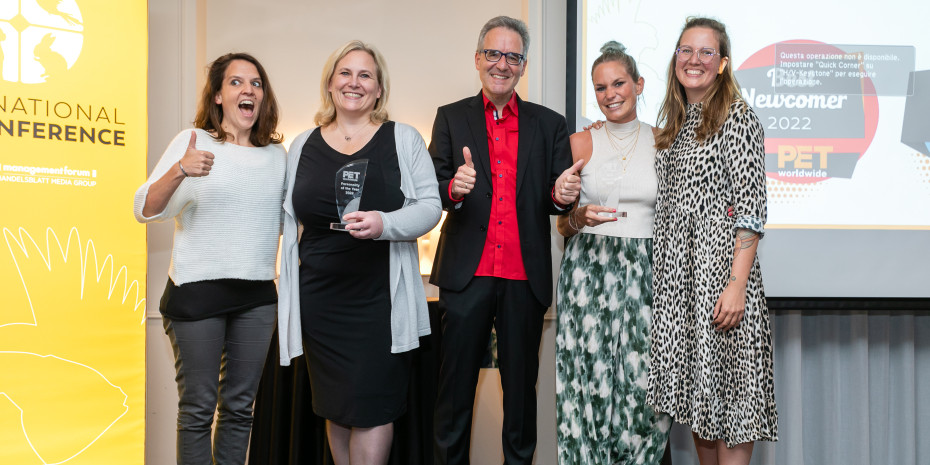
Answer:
(853, 388)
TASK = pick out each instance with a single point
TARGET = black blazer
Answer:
(543, 154)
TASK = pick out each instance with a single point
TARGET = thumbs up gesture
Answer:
(464, 180)
(568, 185)
(195, 163)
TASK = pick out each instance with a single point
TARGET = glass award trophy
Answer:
(608, 177)
(350, 179)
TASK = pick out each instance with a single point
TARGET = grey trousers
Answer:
(219, 363)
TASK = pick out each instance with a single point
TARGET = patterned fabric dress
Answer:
(604, 320)
(721, 384)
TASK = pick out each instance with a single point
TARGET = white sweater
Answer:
(227, 223)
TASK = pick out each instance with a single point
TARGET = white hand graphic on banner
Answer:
(60, 405)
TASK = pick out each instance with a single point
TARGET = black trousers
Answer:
(467, 316)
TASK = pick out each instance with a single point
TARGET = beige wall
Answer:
(430, 62)
(429, 47)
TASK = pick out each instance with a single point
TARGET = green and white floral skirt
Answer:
(604, 306)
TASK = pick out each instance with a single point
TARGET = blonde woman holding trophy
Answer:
(361, 189)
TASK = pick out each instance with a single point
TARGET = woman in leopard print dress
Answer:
(711, 365)
(605, 284)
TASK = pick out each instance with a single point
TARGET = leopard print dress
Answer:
(721, 384)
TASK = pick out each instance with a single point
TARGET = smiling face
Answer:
(354, 86)
(241, 98)
(694, 76)
(498, 80)
(616, 91)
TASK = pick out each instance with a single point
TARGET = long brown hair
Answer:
(716, 101)
(210, 114)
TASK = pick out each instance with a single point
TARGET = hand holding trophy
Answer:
(608, 177)
(350, 180)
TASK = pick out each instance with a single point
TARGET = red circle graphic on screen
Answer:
(819, 116)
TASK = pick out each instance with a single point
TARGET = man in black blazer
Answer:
(504, 166)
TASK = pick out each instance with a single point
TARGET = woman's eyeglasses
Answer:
(705, 54)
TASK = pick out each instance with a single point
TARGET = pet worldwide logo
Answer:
(40, 40)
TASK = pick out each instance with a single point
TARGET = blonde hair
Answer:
(327, 111)
(716, 101)
(615, 51)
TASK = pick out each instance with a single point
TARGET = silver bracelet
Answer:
(182, 170)
(571, 216)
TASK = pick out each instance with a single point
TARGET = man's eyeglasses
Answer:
(705, 54)
(512, 58)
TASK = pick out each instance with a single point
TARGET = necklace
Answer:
(624, 153)
(614, 136)
(348, 137)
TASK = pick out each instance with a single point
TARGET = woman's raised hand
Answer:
(196, 163)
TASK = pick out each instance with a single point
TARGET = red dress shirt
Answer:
(502, 256)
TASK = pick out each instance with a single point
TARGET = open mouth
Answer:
(247, 107)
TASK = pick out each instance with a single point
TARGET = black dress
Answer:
(345, 298)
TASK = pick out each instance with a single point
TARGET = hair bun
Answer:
(613, 47)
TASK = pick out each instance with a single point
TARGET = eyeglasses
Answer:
(512, 58)
(705, 54)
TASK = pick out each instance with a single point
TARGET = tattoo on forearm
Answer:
(745, 238)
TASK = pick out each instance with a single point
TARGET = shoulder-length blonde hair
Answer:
(716, 101)
(327, 112)
(210, 114)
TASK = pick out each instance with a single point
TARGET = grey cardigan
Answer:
(420, 213)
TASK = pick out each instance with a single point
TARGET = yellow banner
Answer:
(72, 258)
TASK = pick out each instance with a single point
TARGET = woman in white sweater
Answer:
(354, 297)
(223, 184)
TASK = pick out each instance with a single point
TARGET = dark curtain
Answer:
(287, 432)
